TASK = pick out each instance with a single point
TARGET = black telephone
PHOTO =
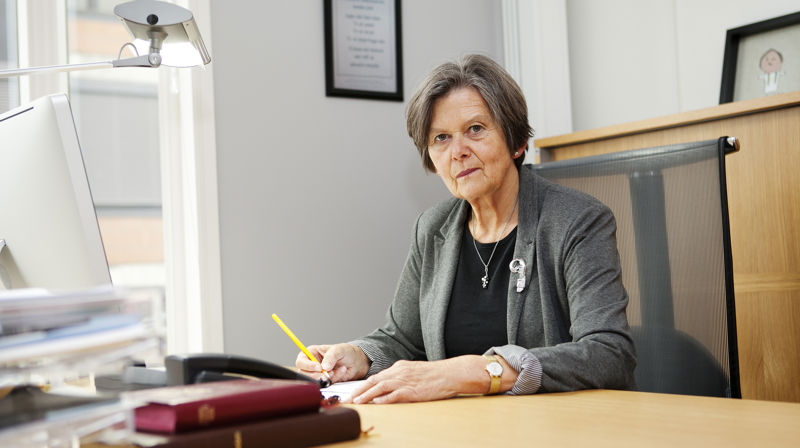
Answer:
(198, 368)
(207, 367)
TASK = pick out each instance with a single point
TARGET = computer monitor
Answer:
(47, 217)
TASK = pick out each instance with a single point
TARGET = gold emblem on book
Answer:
(205, 414)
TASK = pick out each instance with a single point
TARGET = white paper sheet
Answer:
(344, 389)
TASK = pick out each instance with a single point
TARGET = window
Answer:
(116, 113)
(146, 135)
(9, 87)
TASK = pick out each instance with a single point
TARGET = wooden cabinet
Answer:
(764, 201)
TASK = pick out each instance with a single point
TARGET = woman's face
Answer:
(771, 62)
(467, 147)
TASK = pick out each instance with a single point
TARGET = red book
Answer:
(181, 408)
(327, 425)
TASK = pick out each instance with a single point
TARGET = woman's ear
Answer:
(520, 152)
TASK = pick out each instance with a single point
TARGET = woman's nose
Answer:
(460, 146)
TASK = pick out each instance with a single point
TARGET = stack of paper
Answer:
(43, 331)
(51, 338)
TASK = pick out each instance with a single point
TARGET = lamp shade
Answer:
(166, 29)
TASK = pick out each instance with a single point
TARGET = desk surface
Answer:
(586, 418)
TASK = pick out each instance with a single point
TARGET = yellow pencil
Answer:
(298, 343)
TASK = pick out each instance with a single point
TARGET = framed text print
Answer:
(363, 49)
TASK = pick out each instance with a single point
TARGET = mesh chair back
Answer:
(670, 204)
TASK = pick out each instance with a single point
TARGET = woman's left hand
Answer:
(408, 381)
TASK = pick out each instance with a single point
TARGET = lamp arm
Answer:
(54, 68)
(147, 60)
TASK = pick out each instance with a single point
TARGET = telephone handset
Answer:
(207, 367)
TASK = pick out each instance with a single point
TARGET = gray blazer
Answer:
(571, 313)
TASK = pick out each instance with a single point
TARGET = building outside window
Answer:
(116, 113)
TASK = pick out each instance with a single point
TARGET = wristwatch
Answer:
(495, 370)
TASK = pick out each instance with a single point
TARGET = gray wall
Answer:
(633, 59)
(317, 195)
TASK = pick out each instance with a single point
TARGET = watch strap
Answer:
(495, 380)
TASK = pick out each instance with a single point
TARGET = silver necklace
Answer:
(485, 279)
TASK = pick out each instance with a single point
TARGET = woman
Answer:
(461, 322)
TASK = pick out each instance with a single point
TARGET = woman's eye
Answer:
(475, 128)
(440, 138)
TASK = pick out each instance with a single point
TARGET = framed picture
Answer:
(363, 49)
(761, 59)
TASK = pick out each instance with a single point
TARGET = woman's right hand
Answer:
(343, 362)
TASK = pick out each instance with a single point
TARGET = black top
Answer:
(476, 317)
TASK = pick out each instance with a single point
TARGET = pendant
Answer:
(485, 280)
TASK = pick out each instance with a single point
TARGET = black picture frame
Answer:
(368, 84)
(734, 37)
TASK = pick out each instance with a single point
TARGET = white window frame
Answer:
(41, 40)
(536, 54)
(190, 202)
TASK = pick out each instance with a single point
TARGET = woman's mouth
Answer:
(466, 172)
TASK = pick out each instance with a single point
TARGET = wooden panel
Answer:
(780, 281)
(720, 112)
(768, 325)
(764, 208)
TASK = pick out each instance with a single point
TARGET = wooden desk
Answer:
(594, 418)
(764, 208)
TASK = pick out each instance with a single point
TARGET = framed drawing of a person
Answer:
(761, 59)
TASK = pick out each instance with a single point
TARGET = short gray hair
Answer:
(501, 93)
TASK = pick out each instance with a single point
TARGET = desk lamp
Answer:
(163, 33)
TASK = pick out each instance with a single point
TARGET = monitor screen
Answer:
(48, 221)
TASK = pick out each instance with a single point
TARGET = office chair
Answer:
(673, 234)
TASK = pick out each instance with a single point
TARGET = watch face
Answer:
(494, 368)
